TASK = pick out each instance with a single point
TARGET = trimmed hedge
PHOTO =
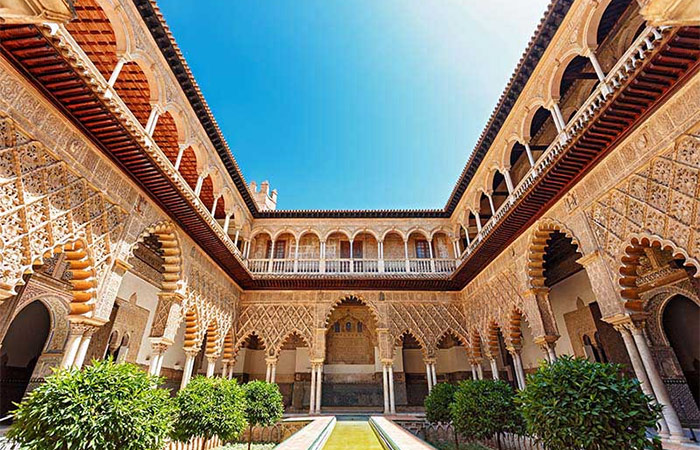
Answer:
(104, 406)
(577, 404)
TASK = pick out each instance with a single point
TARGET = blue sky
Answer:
(353, 104)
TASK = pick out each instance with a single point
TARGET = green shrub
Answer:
(263, 405)
(484, 408)
(574, 404)
(437, 403)
(210, 407)
(104, 406)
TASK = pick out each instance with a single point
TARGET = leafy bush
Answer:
(576, 404)
(263, 405)
(437, 403)
(484, 408)
(105, 406)
(210, 407)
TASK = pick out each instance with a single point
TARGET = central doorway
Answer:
(352, 374)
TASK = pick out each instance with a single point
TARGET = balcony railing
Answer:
(637, 52)
(352, 266)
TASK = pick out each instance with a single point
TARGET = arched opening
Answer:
(309, 253)
(659, 281)
(473, 227)
(394, 252)
(485, 212)
(293, 372)
(206, 194)
(613, 34)
(220, 212)
(132, 87)
(188, 167)
(573, 304)
(250, 362)
(420, 251)
(283, 253)
(681, 325)
(351, 374)
(365, 253)
(412, 362)
(21, 348)
(260, 252)
(165, 135)
(496, 345)
(451, 359)
(543, 132)
(338, 251)
(463, 242)
(92, 30)
(499, 190)
(519, 163)
(577, 82)
(442, 250)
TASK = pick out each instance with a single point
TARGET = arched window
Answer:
(359, 327)
(348, 326)
(336, 327)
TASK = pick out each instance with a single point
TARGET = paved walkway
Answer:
(399, 437)
(311, 436)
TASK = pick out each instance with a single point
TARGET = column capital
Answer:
(546, 339)
(387, 361)
(159, 345)
(271, 360)
(429, 361)
(192, 352)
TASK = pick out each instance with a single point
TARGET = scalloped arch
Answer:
(628, 260)
(538, 246)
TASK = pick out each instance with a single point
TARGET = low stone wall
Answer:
(276, 433)
(194, 444)
(443, 433)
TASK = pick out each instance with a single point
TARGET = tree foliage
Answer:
(437, 403)
(103, 406)
(263, 405)
(575, 404)
(483, 408)
(210, 407)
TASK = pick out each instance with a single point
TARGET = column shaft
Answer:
(71, 350)
(319, 387)
(385, 378)
(657, 384)
(312, 392)
(494, 369)
(392, 402)
(428, 377)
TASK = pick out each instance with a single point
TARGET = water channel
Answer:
(352, 433)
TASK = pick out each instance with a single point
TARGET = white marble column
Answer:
(319, 386)
(84, 345)
(312, 391)
(519, 371)
(211, 364)
(392, 401)
(189, 365)
(494, 369)
(639, 370)
(428, 377)
(433, 371)
(474, 371)
(385, 378)
(657, 384)
(158, 349)
(71, 348)
(479, 371)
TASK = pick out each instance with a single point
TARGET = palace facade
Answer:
(128, 230)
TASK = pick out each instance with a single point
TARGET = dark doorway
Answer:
(681, 322)
(21, 348)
